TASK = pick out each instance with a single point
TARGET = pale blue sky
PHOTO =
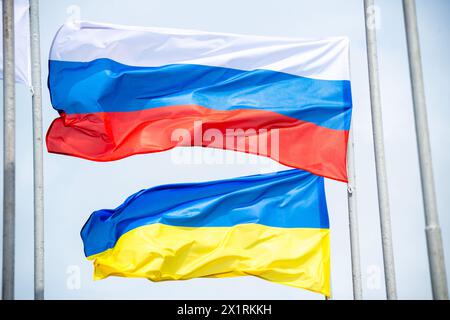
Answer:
(74, 187)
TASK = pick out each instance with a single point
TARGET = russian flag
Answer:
(122, 91)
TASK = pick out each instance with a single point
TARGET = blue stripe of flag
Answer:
(104, 85)
(286, 199)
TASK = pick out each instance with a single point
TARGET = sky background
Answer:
(74, 188)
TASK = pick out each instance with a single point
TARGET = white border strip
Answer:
(153, 47)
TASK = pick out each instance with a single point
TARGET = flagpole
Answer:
(432, 228)
(37, 151)
(353, 221)
(380, 162)
(9, 105)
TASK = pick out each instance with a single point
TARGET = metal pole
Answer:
(37, 152)
(9, 105)
(353, 221)
(432, 228)
(380, 163)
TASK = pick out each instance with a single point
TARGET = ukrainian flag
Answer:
(273, 226)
